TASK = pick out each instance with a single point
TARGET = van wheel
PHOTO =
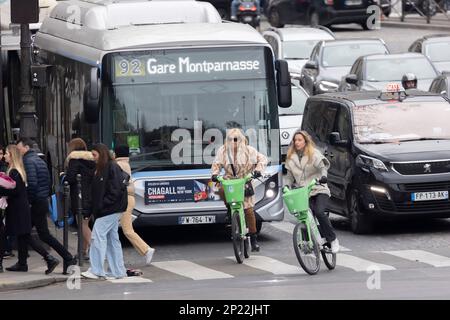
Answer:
(360, 223)
(275, 19)
(314, 19)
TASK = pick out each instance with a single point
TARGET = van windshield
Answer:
(401, 121)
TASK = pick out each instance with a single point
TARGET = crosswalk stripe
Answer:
(131, 280)
(191, 270)
(289, 228)
(359, 264)
(422, 256)
(271, 265)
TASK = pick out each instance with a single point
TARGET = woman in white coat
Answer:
(304, 163)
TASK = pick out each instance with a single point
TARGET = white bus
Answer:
(167, 78)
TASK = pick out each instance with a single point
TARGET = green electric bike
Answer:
(234, 197)
(307, 240)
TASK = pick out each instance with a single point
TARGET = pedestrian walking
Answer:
(122, 153)
(38, 190)
(18, 215)
(80, 161)
(109, 199)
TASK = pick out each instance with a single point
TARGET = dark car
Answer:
(331, 60)
(441, 84)
(436, 47)
(318, 12)
(388, 160)
(374, 72)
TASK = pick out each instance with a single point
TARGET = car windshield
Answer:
(299, 98)
(401, 121)
(345, 54)
(438, 52)
(298, 49)
(394, 69)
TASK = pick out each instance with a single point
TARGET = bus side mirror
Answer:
(92, 94)
(284, 92)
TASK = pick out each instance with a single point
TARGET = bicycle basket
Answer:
(297, 200)
(234, 190)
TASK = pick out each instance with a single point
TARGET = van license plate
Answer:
(426, 196)
(196, 219)
(353, 2)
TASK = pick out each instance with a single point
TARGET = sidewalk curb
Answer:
(30, 284)
(407, 25)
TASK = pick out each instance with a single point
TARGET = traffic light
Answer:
(24, 11)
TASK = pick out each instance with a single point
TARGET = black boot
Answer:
(18, 267)
(68, 263)
(52, 262)
(254, 242)
(1, 266)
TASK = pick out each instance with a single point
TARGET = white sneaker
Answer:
(88, 274)
(335, 246)
(149, 255)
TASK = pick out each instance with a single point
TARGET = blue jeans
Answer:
(235, 6)
(105, 243)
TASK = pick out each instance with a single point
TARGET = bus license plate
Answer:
(196, 219)
(426, 196)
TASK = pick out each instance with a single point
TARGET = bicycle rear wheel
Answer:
(307, 255)
(328, 257)
(238, 241)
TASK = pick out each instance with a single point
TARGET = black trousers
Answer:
(2, 239)
(39, 211)
(318, 203)
(25, 240)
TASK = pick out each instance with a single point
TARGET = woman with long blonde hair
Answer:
(304, 162)
(18, 215)
(238, 159)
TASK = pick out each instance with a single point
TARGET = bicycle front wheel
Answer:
(307, 251)
(238, 241)
(328, 257)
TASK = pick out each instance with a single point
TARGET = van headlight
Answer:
(365, 161)
(328, 86)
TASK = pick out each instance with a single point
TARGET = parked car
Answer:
(374, 72)
(388, 160)
(291, 118)
(318, 12)
(441, 84)
(295, 45)
(331, 60)
(436, 47)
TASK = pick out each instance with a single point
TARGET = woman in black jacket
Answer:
(109, 199)
(18, 216)
(80, 161)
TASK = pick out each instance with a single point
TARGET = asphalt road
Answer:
(401, 260)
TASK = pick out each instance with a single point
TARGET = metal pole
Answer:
(80, 221)
(27, 111)
(2, 100)
(428, 11)
(66, 214)
(403, 11)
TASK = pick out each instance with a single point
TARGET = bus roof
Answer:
(84, 42)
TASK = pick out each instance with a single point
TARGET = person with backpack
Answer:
(109, 199)
(122, 153)
(80, 161)
(38, 189)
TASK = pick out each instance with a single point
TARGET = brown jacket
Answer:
(245, 161)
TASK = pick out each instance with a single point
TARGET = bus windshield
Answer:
(172, 108)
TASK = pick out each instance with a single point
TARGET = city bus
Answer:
(166, 78)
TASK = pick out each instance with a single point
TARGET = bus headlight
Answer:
(270, 193)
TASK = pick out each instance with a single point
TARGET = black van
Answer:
(389, 153)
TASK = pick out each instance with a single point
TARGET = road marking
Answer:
(131, 280)
(271, 265)
(289, 228)
(191, 270)
(422, 256)
(359, 264)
